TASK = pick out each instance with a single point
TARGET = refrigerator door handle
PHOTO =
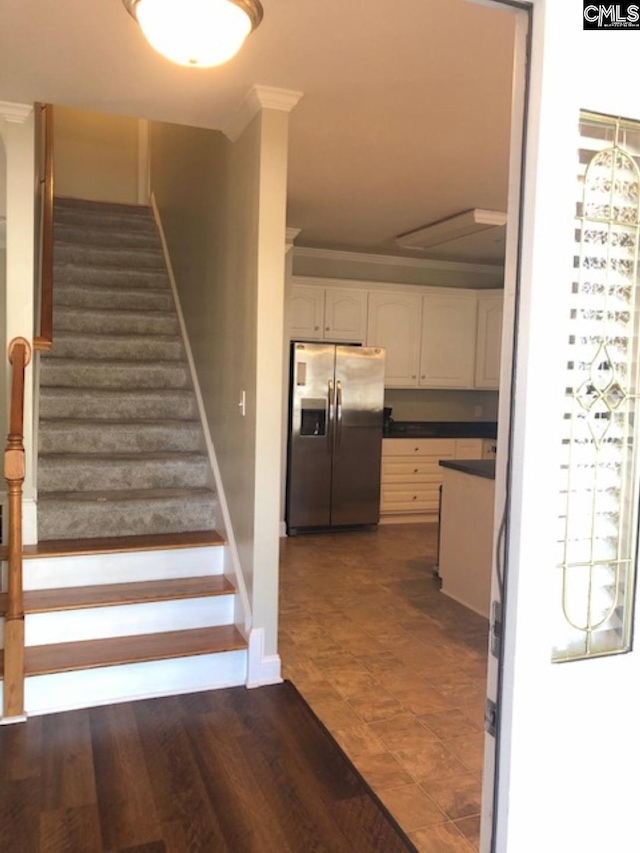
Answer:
(338, 411)
(330, 405)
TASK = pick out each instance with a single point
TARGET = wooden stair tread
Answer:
(91, 654)
(117, 544)
(76, 598)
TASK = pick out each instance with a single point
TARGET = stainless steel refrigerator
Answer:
(335, 436)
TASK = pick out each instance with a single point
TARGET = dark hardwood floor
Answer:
(244, 771)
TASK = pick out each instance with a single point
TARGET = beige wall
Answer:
(222, 206)
(96, 155)
(423, 405)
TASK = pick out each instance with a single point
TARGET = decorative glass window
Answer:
(598, 516)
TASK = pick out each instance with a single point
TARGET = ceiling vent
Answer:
(474, 232)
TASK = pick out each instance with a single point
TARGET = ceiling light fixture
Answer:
(197, 33)
(456, 227)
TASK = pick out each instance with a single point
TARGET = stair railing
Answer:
(43, 341)
(14, 473)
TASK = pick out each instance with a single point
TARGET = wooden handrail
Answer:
(44, 340)
(14, 472)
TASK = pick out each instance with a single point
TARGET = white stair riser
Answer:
(69, 691)
(125, 567)
(96, 623)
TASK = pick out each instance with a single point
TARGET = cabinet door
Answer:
(448, 350)
(345, 315)
(489, 342)
(306, 312)
(394, 323)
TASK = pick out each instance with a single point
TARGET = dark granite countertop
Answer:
(442, 429)
(478, 467)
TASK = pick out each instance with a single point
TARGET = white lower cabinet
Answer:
(412, 475)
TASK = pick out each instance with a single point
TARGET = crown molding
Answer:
(259, 98)
(15, 113)
(290, 239)
(396, 261)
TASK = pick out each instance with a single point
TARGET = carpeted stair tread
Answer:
(91, 654)
(106, 405)
(113, 346)
(69, 515)
(70, 472)
(87, 205)
(91, 232)
(112, 277)
(114, 373)
(113, 298)
(108, 256)
(128, 436)
(106, 321)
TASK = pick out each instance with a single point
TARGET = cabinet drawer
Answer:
(441, 448)
(410, 470)
(409, 500)
(468, 448)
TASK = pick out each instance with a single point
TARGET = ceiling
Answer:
(404, 118)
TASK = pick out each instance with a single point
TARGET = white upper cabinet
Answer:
(433, 337)
(332, 313)
(448, 345)
(345, 314)
(306, 312)
(394, 323)
(489, 341)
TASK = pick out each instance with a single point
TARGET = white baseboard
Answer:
(261, 669)
(283, 529)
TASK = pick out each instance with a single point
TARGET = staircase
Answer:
(126, 594)
(121, 449)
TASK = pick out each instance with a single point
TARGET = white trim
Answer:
(396, 261)
(259, 98)
(10, 721)
(261, 669)
(283, 529)
(292, 234)
(29, 521)
(15, 113)
(213, 459)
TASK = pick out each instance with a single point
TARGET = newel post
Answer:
(14, 472)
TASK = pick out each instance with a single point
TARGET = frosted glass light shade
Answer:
(197, 33)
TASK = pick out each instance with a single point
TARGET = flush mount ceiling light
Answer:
(198, 33)
(465, 224)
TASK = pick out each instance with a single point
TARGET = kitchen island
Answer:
(466, 532)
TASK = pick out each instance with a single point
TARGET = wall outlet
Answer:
(477, 411)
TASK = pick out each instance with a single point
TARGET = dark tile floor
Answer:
(394, 669)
